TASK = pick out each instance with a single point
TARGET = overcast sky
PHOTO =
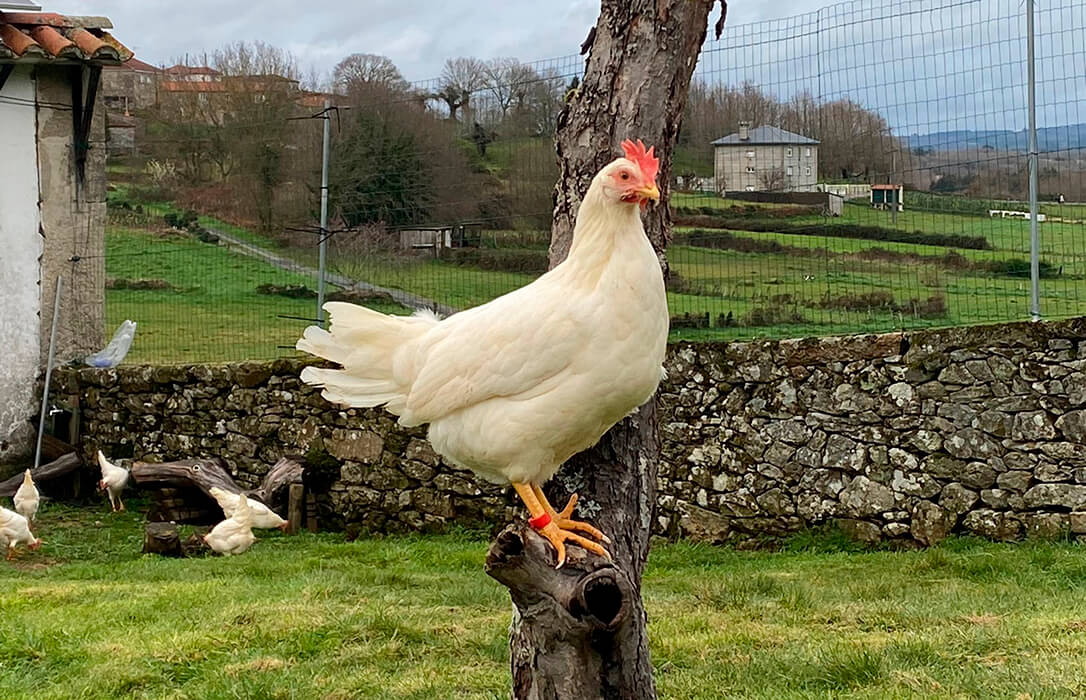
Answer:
(418, 36)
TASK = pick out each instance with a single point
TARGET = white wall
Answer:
(20, 252)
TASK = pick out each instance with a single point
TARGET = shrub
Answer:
(773, 316)
(184, 220)
(690, 320)
(856, 231)
(534, 262)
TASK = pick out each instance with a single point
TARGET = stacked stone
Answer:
(976, 430)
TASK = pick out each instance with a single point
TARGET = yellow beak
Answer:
(651, 192)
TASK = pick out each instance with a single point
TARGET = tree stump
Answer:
(573, 638)
(162, 538)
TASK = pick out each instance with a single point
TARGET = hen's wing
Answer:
(502, 349)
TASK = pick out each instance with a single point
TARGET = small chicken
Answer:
(262, 516)
(515, 387)
(15, 530)
(235, 534)
(113, 480)
(27, 498)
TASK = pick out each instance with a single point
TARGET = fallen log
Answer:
(65, 464)
(205, 474)
(284, 472)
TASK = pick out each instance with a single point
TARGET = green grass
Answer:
(213, 313)
(804, 290)
(313, 616)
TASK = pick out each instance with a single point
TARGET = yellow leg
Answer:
(554, 534)
(564, 518)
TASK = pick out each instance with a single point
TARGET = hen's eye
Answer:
(625, 175)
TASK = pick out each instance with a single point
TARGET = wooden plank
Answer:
(294, 507)
(311, 512)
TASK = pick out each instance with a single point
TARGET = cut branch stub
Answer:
(589, 589)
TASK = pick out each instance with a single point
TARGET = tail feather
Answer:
(365, 343)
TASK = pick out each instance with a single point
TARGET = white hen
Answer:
(513, 388)
(26, 498)
(113, 480)
(15, 530)
(235, 534)
(262, 516)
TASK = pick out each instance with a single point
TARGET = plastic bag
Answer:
(112, 354)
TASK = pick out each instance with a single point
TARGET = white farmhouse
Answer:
(52, 200)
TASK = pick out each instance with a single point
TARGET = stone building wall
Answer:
(903, 437)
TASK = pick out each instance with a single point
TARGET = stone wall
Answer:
(903, 437)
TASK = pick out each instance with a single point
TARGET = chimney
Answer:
(744, 131)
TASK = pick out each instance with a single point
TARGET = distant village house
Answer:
(765, 159)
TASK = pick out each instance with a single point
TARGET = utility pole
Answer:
(1034, 234)
(323, 246)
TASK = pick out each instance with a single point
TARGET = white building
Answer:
(765, 159)
(52, 200)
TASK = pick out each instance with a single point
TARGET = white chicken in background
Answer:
(513, 388)
(14, 531)
(26, 498)
(235, 534)
(262, 516)
(113, 480)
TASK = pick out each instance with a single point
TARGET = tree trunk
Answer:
(579, 633)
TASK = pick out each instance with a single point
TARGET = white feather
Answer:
(513, 388)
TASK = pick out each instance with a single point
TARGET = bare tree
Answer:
(580, 632)
(459, 79)
(362, 69)
(509, 81)
(772, 179)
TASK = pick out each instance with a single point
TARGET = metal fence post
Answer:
(1034, 235)
(323, 245)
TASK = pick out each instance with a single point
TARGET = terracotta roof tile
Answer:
(18, 43)
(49, 36)
(54, 43)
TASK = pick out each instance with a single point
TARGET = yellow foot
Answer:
(558, 537)
(564, 521)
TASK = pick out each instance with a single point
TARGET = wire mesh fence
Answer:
(861, 168)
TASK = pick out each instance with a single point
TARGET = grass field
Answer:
(313, 616)
(211, 311)
(806, 285)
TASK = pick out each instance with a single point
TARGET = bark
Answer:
(66, 464)
(564, 641)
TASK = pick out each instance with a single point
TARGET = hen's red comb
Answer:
(645, 160)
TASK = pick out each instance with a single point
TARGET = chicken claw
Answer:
(555, 528)
(558, 536)
(563, 518)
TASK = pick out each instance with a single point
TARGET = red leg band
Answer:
(540, 522)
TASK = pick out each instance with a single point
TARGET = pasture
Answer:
(748, 272)
(315, 616)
